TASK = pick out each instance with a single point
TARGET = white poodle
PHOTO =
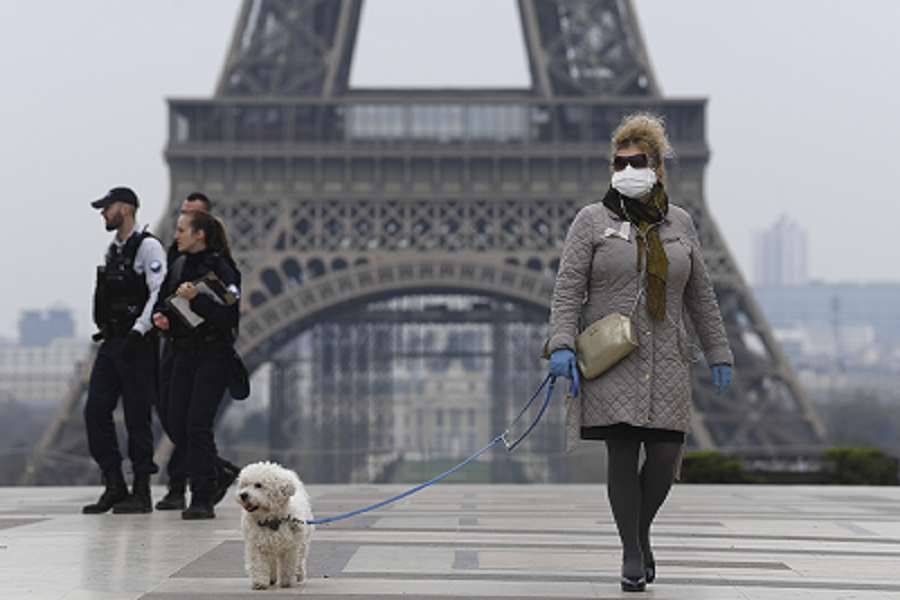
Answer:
(276, 511)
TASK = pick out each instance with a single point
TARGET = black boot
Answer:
(116, 491)
(174, 498)
(139, 500)
(199, 509)
(226, 473)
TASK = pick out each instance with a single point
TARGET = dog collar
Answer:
(274, 524)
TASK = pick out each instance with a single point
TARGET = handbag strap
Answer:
(637, 299)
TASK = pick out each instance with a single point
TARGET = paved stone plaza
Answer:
(469, 541)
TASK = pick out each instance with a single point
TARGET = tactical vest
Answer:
(121, 292)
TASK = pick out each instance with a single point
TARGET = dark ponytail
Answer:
(213, 230)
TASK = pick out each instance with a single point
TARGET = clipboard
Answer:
(208, 285)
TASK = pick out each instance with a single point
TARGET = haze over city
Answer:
(799, 118)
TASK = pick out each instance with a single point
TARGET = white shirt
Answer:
(150, 261)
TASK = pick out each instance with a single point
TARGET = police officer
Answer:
(177, 467)
(127, 289)
(200, 352)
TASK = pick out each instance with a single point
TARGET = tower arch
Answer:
(280, 315)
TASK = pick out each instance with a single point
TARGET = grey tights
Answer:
(635, 495)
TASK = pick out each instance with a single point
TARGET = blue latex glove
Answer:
(721, 375)
(562, 363)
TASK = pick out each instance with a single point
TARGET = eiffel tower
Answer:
(341, 202)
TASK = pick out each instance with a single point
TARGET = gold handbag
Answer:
(606, 342)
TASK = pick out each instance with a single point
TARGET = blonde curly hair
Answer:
(646, 131)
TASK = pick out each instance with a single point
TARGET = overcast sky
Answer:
(803, 100)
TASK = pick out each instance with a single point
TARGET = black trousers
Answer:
(177, 467)
(135, 382)
(199, 379)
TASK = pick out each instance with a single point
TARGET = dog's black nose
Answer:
(243, 496)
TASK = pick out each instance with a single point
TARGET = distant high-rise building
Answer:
(830, 307)
(780, 255)
(38, 329)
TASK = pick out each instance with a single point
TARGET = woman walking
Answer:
(634, 253)
(201, 351)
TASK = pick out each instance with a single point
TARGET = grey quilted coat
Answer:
(651, 387)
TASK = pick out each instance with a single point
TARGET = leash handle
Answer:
(552, 380)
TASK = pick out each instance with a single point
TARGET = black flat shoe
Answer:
(633, 584)
(650, 572)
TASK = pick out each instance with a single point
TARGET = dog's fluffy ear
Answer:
(287, 488)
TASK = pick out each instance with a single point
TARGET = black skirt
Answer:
(626, 432)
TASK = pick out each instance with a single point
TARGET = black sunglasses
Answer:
(638, 161)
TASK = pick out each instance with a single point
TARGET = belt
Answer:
(199, 341)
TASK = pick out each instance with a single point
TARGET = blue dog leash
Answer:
(551, 379)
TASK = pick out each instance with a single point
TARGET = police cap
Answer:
(117, 194)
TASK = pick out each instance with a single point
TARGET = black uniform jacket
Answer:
(220, 320)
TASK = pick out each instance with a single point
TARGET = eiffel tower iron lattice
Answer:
(337, 198)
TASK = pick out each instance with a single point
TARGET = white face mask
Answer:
(634, 183)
